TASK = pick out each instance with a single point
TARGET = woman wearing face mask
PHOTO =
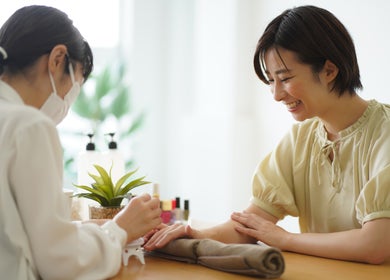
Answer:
(43, 62)
(333, 169)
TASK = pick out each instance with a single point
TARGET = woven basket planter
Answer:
(100, 212)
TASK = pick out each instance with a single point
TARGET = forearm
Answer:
(339, 245)
(226, 233)
(369, 244)
(362, 245)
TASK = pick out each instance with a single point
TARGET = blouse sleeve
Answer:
(374, 200)
(273, 181)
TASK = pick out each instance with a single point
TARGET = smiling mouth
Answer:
(293, 105)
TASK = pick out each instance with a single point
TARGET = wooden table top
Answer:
(298, 267)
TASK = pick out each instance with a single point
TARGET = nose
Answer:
(278, 91)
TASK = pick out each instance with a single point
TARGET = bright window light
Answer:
(98, 21)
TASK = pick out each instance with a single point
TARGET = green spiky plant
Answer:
(107, 193)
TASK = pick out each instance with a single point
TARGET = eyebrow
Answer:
(280, 71)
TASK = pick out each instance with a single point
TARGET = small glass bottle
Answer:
(177, 212)
(166, 207)
(186, 212)
(156, 190)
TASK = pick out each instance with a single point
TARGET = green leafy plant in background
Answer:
(106, 96)
(107, 193)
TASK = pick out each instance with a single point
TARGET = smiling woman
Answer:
(329, 169)
(208, 117)
(304, 92)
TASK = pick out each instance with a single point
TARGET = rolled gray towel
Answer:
(247, 259)
(183, 250)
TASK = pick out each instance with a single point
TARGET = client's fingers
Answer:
(164, 236)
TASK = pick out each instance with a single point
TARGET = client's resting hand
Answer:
(163, 234)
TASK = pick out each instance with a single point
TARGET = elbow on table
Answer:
(376, 255)
(375, 260)
(374, 241)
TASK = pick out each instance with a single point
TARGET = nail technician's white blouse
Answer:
(37, 238)
(299, 179)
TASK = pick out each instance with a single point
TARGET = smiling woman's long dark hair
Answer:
(314, 35)
(35, 30)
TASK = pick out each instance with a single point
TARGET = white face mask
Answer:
(57, 108)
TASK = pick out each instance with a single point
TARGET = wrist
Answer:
(287, 241)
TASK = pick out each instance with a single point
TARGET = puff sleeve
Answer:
(272, 184)
(374, 199)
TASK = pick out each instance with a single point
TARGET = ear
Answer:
(330, 71)
(57, 58)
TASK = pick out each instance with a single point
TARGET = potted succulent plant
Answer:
(107, 194)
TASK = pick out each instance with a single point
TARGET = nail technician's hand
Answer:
(260, 228)
(163, 236)
(140, 216)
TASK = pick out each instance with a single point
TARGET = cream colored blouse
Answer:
(299, 179)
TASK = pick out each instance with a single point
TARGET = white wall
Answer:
(210, 120)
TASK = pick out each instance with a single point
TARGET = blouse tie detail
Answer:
(324, 158)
